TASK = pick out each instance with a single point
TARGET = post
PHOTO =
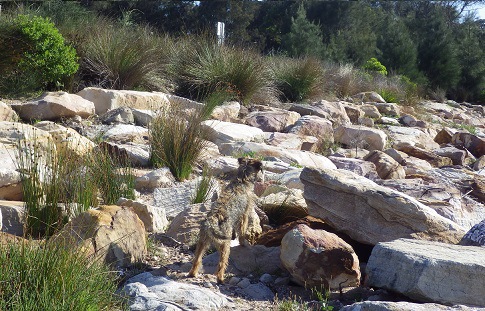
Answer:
(220, 33)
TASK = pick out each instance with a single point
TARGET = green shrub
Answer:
(205, 67)
(345, 80)
(298, 79)
(53, 278)
(177, 140)
(32, 47)
(204, 187)
(373, 65)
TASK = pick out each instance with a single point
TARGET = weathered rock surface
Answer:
(120, 115)
(11, 217)
(149, 292)
(288, 205)
(413, 136)
(314, 126)
(386, 166)
(53, 106)
(136, 154)
(360, 136)
(10, 181)
(371, 111)
(319, 258)
(388, 109)
(457, 156)
(153, 217)
(404, 306)
(429, 271)
(159, 178)
(7, 113)
(333, 111)
(474, 144)
(370, 213)
(292, 141)
(272, 121)
(358, 166)
(420, 153)
(475, 236)
(228, 111)
(113, 234)
(224, 132)
(126, 133)
(366, 97)
(444, 135)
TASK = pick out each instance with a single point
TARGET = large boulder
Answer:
(429, 271)
(150, 292)
(314, 126)
(228, 111)
(153, 217)
(273, 120)
(404, 306)
(474, 144)
(54, 106)
(319, 258)
(360, 136)
(358, 166)
(388, 109)
(11, 217)
(333, 111)
(10, 181)
(293, 157)
(292, 141)
(113, 234)
(224, 132)
(366, 97)
(386, 166)
(410, 135)
(420, 153)
(370, 213)
(126, 133)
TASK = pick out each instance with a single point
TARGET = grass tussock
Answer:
(177, 139)
(298, 80)
(50, 277)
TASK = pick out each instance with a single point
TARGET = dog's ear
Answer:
(258, 165)
(241, 160)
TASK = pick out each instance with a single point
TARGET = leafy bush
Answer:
(205, 67)
(122, 57)
(373, 65)
(53, 278)
(32, 47)
(177, 140)
(204, 188)
(298, 79)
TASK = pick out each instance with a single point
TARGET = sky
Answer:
(480, 9)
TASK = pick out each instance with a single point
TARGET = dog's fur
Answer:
(230, 214)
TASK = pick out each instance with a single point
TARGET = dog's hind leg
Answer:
(224, 250)
(243, 228)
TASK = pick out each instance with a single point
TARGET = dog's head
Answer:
(248, 169)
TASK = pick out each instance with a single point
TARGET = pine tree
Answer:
(304, 38)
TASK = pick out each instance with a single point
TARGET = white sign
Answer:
(220, 33)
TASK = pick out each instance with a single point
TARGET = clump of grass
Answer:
(177, 139)
(345, 80)
(112, 174)
(298, 79)
(204, 188)
(206, 67)
(51, 277)
(122, 57)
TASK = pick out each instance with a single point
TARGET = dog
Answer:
(229, 215)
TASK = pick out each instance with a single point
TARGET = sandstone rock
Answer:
(354, 135)
(333, 111)
(429, 271)
(432, 158)
(405, 306)
(11, 217)
(479, 164)
(273, 237)
(354, 113)
(143, 117)
(386, 166)
(120, 115)
(415, 166)
(149, 292)
(360, 167)
(370, 213)
(135, 154)
(314, 126)
(53, 106)
(159, 178)
(7, 113)
(408, 120)
(444, 136)
(289, 179)
(113, 234)
(67, 139)
(456, 155)
(153, 217)
(284, 206)
(388, 109)
(10, 183)
(475, 236)
(317, 257)
(366, 97)
(412, 136)
(388, 121)
(399, 156)
(124, 133)
(478, 188)
(272, 121)
(292, 141)
(257, 291)
(224, 132)
(228, 111)
(474, 144)
(293, 157)
(371, 111)
(365, 121)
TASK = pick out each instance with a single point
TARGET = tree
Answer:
(304, 38)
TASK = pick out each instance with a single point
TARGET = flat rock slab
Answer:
(429, 271)
(404, 306)
(149, 292)
(370, 213)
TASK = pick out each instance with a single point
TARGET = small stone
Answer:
(266, 278)
(234, 280)
(244, 283)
